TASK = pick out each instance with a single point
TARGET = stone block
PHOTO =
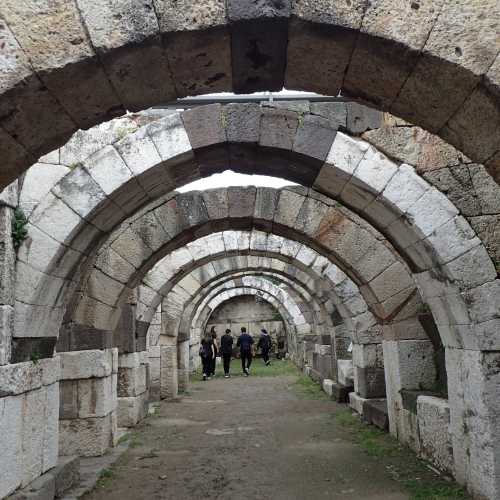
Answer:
(375, 413)
(327, 386)
(11, 438)
(66, 474)
(7, 257)
(345, 372)
(131, 410)
(334, 112)
(86, 364)
(369, 382)
(9, 196)
(132, 381)
(96, 397)
(356, 402)
(168, 372)
(340, 393)
(433, 415)
(42, 488)
(89, 437)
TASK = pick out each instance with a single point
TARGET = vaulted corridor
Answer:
(263, 437)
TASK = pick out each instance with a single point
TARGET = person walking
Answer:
(213, 334)
(265, 343)
(245, 342)
(226, 349)
(207, 355)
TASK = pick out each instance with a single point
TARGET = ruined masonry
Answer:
(376, 270)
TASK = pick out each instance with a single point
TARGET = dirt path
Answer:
(247, 438)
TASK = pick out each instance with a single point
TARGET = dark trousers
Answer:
(207, 365)
(213, 365)
(246, 359)
(226, 358)
(265, 355)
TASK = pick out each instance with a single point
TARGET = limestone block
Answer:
(345, 155)
(368, 355)
(66, 474)
(42, 488)
(278, 128)
(131, 410)
(89, 437)
(20, 378)
(216, 203)
(9, 196)
(314, 137)
(288, 207)
(345, 372)
(370, 178)
(327, 386)
(50, 451)
(7, 257)
(433, 426)
(141, 77)
(334, 112)
(96, 397)
(242, 122)
(369, 382)
(6, 330)
(132, 381)
(356, 402)
(241, 201)
(361, 118)
(312, 51)
(86, 364)
(11, 465)
(168, 381)
(38, 181)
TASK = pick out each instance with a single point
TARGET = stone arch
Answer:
(438, 76)
(398, 202)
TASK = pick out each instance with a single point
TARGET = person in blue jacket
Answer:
(245, 343)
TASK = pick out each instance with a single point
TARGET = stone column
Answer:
(88, 412)
(169, 387)
(8, 201)
(474, 388)
(409, 370)
(183, 368)
(133, 393)
(154, 370)
(29, 422)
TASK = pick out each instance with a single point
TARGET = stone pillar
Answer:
(169, 387)
(473, 389)
(183, 368)
(133, 393)
(369, 377)
(409, 370)
(29, 422)
(88, 411)
(154, 370)
(8, 201)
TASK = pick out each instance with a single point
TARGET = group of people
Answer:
(210, 349)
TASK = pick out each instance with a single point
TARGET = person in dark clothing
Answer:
(213, 334)
(245, 342)
(207, 355)
(265, 344)
(226, 349)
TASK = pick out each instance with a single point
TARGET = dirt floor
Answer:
(262, 438)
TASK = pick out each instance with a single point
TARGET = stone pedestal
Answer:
(169, 387)
(88, 411)
(183, 366)
(133, 394)
(29, 409)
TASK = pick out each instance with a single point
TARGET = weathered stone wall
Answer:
(29, 412)
(88, 411)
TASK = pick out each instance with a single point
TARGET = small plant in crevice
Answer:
(35, 357)
(19, 231)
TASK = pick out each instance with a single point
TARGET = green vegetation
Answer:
(258, 369)
(420, 481)
(132, 438)
(306, 388)
(105, 478)
(19, 231)
(35, 357)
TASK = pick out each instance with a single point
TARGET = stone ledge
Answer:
(375, 413)
(19, 378)
(88, 364)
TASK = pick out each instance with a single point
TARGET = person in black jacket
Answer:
(245, 342)
(265, 344)
(226, 349)
(207, 355)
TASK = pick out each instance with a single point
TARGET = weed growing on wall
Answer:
(19, 231)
